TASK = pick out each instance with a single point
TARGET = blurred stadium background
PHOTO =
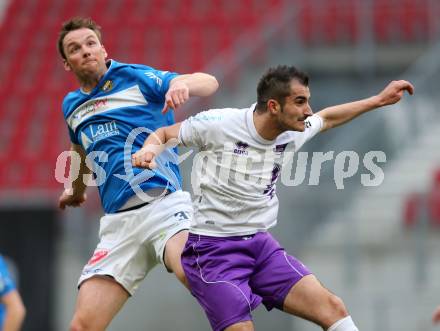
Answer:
(376, 247)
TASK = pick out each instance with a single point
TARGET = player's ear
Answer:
(104, 51)
(66, 65)
(273, 106)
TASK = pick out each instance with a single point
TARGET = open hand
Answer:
(69, 198)
(394, 92)
(177, 95)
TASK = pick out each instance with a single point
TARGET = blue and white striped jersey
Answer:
(112, 122)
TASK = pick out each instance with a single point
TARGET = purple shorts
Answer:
(231, 276)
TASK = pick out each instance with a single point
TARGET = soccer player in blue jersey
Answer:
(12, 310)
(146, 212)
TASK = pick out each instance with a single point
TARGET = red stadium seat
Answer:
(434, 206)
(436, 183)
(412, 210)
(434, 200)
(416, 202)
(415, 19)
(306, 19)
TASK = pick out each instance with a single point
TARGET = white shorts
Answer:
(133, 242)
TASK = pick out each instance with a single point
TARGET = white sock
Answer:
(345, 324)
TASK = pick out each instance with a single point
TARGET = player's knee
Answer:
(79, 324)
(334, 311)
(76, 326)
(241, 326)
(337, 306)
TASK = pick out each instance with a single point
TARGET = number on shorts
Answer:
(181, 216)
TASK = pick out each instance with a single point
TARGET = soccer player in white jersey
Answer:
(147, 214)
(231, 262)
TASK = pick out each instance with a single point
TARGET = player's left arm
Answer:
(341, 114)
(156, 143)
(15, 311)
(183, 87)
(195, 131)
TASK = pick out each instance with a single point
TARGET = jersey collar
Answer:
(251, 127)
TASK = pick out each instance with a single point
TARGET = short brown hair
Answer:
(73, 24)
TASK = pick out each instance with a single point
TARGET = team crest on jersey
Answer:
(108, 85)
(241, 148)
(270, 188)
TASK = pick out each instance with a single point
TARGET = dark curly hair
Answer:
(275, 84)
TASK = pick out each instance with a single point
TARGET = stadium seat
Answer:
(414, 17)
(412, 210)
(434, 207)
(434, 200)
(436, 182)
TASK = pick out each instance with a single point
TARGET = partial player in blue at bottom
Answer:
(12, 310)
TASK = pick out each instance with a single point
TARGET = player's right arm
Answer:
(15, 311)
(75, 196)
(341, 114)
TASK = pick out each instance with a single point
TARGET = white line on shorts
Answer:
(288, 262)
(218, 281)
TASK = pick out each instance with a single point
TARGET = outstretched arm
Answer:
(77, 195)
(182, 87)
(156, 143)
(340, 114)
(15, 311)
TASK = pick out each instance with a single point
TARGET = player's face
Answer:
(85, 55)
(296, 108)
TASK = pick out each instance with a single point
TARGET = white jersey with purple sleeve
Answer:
(235, 173)
(112, 122)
